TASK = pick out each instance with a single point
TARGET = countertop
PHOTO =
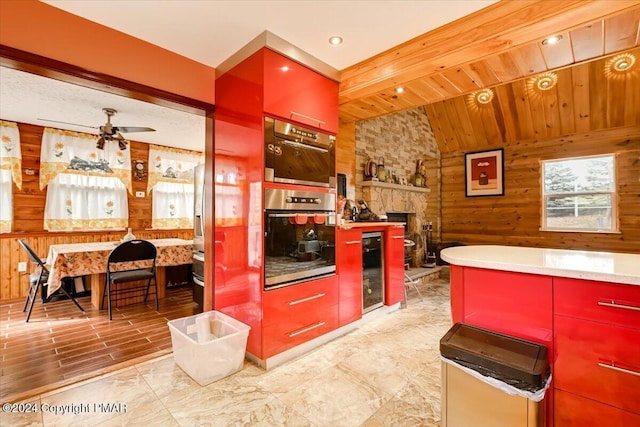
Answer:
(587, 265)
(364, 224)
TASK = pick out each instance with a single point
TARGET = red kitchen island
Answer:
(585, 306)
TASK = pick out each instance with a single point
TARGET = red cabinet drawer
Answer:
(299, 93)
(575, 411)
(298, 313)
(294, 305)
(587, 353)
(279, 337)
(599, 301)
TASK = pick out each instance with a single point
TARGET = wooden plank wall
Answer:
(514, 219)
(591, 110)
(29, 217)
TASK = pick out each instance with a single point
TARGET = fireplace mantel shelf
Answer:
(378, 184)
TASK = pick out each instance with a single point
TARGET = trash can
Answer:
(490, 379)
(209, 346)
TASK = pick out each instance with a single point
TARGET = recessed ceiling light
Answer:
(546, 81)
(335, 40)
(552, 39)
(484, 96)
(399, 89)
(622, 62)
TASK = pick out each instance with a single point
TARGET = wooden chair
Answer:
(38, 281)
(131, 251)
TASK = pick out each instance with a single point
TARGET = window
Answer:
(171, 173)
(579, 194)
(10, 172)
(87, 186)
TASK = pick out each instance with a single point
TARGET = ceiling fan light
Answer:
(122, 144)
(100, 143)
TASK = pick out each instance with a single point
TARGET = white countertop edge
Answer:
(587, 265)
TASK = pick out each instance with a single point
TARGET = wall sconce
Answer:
(140, 169)
(483, 96)
(546, 81)
(621, 63)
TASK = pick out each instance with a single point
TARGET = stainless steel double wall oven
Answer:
(299, 223)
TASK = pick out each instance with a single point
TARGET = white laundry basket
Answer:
(209, 346)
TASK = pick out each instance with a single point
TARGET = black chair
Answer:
(130, 251)
(38, 281)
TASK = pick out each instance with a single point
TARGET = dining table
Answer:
(90, 259)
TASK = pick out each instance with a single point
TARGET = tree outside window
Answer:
(579, 194)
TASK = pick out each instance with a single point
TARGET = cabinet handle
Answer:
(617, 305)
(613, 367)
(320, 122)
(307, 329)
(352, 242)
(306, 299)
(397, 237)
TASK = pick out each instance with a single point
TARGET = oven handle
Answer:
(320, 122)
(291, 215)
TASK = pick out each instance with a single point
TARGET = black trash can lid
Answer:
(520, 363)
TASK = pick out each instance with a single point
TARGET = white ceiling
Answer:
(210, 32)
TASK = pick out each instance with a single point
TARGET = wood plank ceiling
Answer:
(497, 45)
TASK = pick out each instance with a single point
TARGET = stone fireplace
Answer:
(385, 199)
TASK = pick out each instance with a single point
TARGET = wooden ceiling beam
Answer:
(490, 31)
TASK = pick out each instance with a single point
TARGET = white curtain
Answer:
(172, 205)
(87, 186)
(10, 172)
(171, 172)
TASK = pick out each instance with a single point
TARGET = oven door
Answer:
(299, 246)
(294, 159)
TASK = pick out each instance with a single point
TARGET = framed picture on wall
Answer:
(484, 172)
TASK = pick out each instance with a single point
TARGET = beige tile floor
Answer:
(386, 373)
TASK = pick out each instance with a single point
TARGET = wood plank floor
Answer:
(60, 345)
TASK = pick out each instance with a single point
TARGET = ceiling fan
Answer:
(108, 131)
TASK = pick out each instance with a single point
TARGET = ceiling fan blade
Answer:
(68, 123)
(135, 129)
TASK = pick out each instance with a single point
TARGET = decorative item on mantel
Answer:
(370, 170)
(419, 178)
(382, 172)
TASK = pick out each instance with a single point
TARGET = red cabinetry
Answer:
(515, 304)
(295, 314)
(597, 339)
(294, 92)
(256, 86)
(394, 265)
(349, 268)
(575, 411)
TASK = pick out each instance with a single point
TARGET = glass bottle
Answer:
(128, 236)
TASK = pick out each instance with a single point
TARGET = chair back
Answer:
(32, 255)
(133, 250)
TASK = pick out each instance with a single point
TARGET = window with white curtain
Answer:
(171, 172)
(10, 172)
(87, 186)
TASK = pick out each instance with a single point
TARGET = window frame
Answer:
(614, 229)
